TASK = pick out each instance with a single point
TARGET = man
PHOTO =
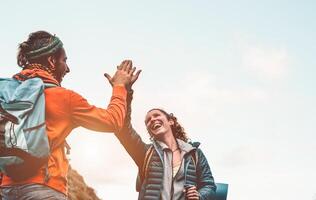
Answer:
(43, 56)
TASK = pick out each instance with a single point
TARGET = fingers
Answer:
(122, 65)
(129, 66)
(131, 72)
(125, 71)
(192, 193)
(191, 188)
(126, 65)
(119, 67)
(137, 73)
(193, 198)
(109, 78)
(135, 77)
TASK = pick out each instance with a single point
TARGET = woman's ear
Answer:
(171, 122)
(52, 62)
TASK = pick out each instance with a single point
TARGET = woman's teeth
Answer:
(156, 126)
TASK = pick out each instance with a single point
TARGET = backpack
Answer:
(24, 145)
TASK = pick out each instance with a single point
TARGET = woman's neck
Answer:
(170, 141)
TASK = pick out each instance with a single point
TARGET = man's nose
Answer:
(67, 69)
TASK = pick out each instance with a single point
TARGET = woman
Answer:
(42, 55)
(170, 167)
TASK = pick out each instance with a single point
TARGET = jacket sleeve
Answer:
(206, 184)
(130, 139)
(108, 119)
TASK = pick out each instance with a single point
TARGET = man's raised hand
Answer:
(124, 75)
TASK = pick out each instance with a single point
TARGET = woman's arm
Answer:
(130, 139)
(206, 184)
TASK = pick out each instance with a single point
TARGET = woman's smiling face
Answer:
(157, 123)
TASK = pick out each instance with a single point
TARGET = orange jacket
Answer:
(66, 110)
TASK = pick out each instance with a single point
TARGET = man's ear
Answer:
(51, 61)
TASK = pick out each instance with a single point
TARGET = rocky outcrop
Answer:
(78, 189)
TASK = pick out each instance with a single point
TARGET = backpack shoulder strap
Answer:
(142, 173)
(146, 161)
(20, 76)
(49, 85)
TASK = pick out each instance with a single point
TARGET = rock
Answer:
(78, 189)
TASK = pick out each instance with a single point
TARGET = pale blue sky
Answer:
(239, 76)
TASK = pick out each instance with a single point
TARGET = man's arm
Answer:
(110, 119)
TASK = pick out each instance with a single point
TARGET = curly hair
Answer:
(177, 130)
(36, 42)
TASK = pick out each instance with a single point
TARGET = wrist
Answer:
(119, 90)
(119, 84)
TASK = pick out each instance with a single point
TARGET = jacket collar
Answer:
(184, 146)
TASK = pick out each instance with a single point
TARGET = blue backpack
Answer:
(24, 145)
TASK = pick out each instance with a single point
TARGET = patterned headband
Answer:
(46, 50)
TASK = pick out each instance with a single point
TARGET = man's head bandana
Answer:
(51, 48)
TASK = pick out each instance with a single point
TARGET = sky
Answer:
(239, 75)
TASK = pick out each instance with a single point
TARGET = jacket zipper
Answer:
(171, 190)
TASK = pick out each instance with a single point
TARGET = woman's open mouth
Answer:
(156, 125)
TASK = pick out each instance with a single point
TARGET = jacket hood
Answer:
(195, 144)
